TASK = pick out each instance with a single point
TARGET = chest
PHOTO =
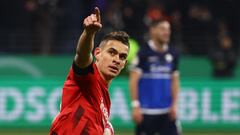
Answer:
(100, 97)
(157, 63)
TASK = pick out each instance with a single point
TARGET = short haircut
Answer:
(121, 36)
(154, 23)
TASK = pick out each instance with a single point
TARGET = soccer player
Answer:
(154, 84)
(85, 99)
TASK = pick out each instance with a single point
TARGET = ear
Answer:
(97, 52)
(152, 30)
(126, 63)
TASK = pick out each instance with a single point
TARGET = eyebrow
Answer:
(125, 54)
(113, 49)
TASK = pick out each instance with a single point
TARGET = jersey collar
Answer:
(154, 48)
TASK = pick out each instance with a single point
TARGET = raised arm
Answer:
(85, 45)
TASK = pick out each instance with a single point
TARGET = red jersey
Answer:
(85, 104)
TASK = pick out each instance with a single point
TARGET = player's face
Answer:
(162, 32)
(111, 58)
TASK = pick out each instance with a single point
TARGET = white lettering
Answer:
(7, 93)
(159, 68)
(119, 105)
(206, 107)
(53, 101)
(188, 105)
(33, 96)
(230, 105)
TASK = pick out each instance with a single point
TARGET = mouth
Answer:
(114, 69)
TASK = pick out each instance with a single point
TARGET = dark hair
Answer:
(117, 35)
(154, 23)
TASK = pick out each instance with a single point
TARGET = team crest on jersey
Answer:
(169, 58)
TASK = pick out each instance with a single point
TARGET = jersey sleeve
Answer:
(75, 83)
(83, 76)
(175, 63)
(137, 64)
(82, 71)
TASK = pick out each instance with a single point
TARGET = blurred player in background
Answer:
(85, 99)
(154, 84)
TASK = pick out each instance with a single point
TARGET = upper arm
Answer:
(137, 64)
(175, 63)
(83, 60)
(83, 56)
(175, 71)
(82, 71)
(133, 83)
(175, 77)
(134, 76)
(82, 76)
(135, 71)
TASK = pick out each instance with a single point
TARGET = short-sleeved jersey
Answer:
(85, 103)
(154, 86)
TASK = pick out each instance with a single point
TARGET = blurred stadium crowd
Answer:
(53, 26)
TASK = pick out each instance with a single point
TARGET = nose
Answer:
(116, 60)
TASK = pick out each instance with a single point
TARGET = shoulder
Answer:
(144, 50)
(173, 52)
(82, 75)
(87, 78)
(83, 71)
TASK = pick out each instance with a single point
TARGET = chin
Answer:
(112, 75)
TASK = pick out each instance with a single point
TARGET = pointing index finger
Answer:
(97, 13)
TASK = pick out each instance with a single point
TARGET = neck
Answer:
(161, 46)
(106, 80)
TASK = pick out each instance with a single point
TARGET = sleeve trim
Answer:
(176, 73)
(82, 71)
(136, 69)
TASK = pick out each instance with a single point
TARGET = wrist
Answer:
(135, 104)
(174, 105)
(89, 32)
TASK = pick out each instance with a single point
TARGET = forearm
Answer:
(85, 43)
(175, 96)
(84, 48)
(133, 86)
(133, 91)
(175, 90)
